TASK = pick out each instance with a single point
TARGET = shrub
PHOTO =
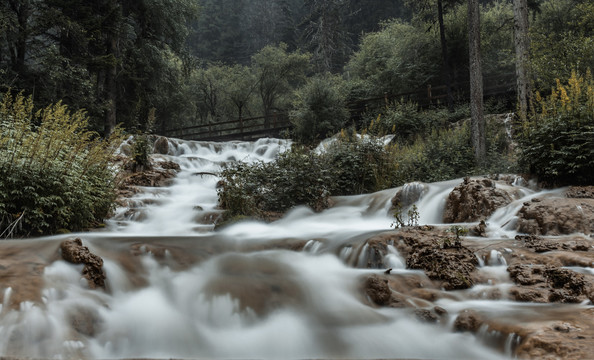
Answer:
(447, 154)
(297, 177)
(319, 109)
(54, 174)
(405, 120)
(556, 143)
(358, 166)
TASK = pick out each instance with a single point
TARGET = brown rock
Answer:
(377, 290)
(580, 192)
(161, 146)
(451, 265)
(468, 320)
(537, 243)
(426, 315)
(74, 252)
(409, 194)
(557, 216)
(474, 200)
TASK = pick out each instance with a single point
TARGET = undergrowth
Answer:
(54, 173)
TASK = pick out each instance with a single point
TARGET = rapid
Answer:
(176, 287)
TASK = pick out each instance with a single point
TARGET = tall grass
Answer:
(54, 173)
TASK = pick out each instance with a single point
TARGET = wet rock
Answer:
(74, 252)
(580, 192)
(537, 243)
(571, 338)
(426, 315)
(161, 146)
(556, 216)
(473, 200)
(409, 194)
(468, 320)
(450, 265)
(377, 290)
(546, 283)
(168, 165)
(479, 230)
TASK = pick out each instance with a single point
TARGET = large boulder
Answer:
(473, 200)
(377, 290)
(556, 216)
(161, 146)
(74, 252)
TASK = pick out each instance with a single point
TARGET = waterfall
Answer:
(178, 288)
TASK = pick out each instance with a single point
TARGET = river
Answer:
(178, 288)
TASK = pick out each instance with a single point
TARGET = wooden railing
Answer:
(240, 129)
(277, 123)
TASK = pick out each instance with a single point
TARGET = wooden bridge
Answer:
(278, 124)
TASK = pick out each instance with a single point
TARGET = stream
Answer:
(290, 289)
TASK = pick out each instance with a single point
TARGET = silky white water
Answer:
(239, 296)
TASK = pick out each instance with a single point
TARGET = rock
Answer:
(557, 216)
(409, 194)
(537, 243)
(546, 283)
(473, 200)
(74, 252)
(580, 192)
(425, 315)
(468, 320)
(161, 146)
(169, 165)
(453, 266)
(479, 230)
(377, 290)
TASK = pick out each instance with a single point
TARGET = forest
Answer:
(103, 69)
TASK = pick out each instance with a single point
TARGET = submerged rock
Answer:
(377, 290)
(556, 216)
(473, 200)
(74, 252)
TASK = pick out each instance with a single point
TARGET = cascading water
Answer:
(176, 288)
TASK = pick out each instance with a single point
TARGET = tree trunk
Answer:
(478, 136)
(111, 86)
(522, 45)
(445, 57)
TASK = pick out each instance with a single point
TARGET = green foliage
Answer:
(447, 154)
(278, 72)
(562, 39)
(556, 143)
(141, 150)
(412, 217)
(319, 109)
(53, 172)
(301, 177)
(398, 58)
(358, 166)
(407, 121)
(297, 177)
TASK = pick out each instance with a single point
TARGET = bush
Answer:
(301, 177)
(358, 166)
(556, 143)
(297, 177)
(447, 154)
(319, 110)
(54, 174)
(408, 122)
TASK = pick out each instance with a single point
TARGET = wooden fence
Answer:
(275, 124)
